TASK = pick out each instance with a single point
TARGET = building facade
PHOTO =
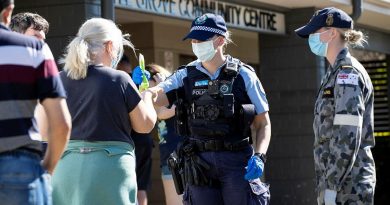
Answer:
(263, 35)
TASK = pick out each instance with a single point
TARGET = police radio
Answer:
(228, 105)
(231, 67)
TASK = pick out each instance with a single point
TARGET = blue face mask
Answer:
(116, 60)
(113, 63)
(316, 45)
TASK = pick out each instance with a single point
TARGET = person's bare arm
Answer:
(41, 119)
(164, 113)
(143, 117)
(160, 99)
(262, 125)
(59, 126)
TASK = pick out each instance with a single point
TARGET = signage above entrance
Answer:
(237, 16)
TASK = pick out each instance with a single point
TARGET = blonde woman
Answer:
(343, 122)
(98, 166)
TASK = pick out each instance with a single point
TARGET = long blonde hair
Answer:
(89, 42)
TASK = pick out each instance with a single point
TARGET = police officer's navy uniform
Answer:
(227, 160)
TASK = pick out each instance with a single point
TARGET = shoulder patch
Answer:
(348, 78)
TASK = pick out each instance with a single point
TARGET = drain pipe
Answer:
(357, 8)
(108, 9)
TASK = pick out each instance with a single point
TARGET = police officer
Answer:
(221, 98)
(343, 123)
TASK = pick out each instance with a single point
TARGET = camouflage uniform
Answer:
(344, 136)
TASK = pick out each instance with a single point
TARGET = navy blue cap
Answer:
(206, 26)
(327, 17)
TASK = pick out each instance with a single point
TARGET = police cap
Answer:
(327, 17)
(206, 26)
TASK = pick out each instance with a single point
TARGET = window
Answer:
(378, 71)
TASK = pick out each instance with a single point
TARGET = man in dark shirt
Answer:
(28, 73)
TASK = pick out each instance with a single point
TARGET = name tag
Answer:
(201, 83)
(328, 93)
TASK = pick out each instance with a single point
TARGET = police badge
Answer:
(224, 88)
(201, 19)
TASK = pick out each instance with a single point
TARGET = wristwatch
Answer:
(262, 156)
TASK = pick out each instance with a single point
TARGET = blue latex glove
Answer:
(137, 75)
(255, 168)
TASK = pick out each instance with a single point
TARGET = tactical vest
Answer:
(214, 107)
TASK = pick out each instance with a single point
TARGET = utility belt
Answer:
(219, 145)
(188, 168)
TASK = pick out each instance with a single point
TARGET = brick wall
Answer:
(290, 75)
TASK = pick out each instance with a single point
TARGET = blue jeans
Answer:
(228, 168)
(23, 180)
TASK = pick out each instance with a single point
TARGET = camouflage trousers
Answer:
(352, 194)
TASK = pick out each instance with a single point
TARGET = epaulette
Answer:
(346, 66)
(346, 63)
(248, 66)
